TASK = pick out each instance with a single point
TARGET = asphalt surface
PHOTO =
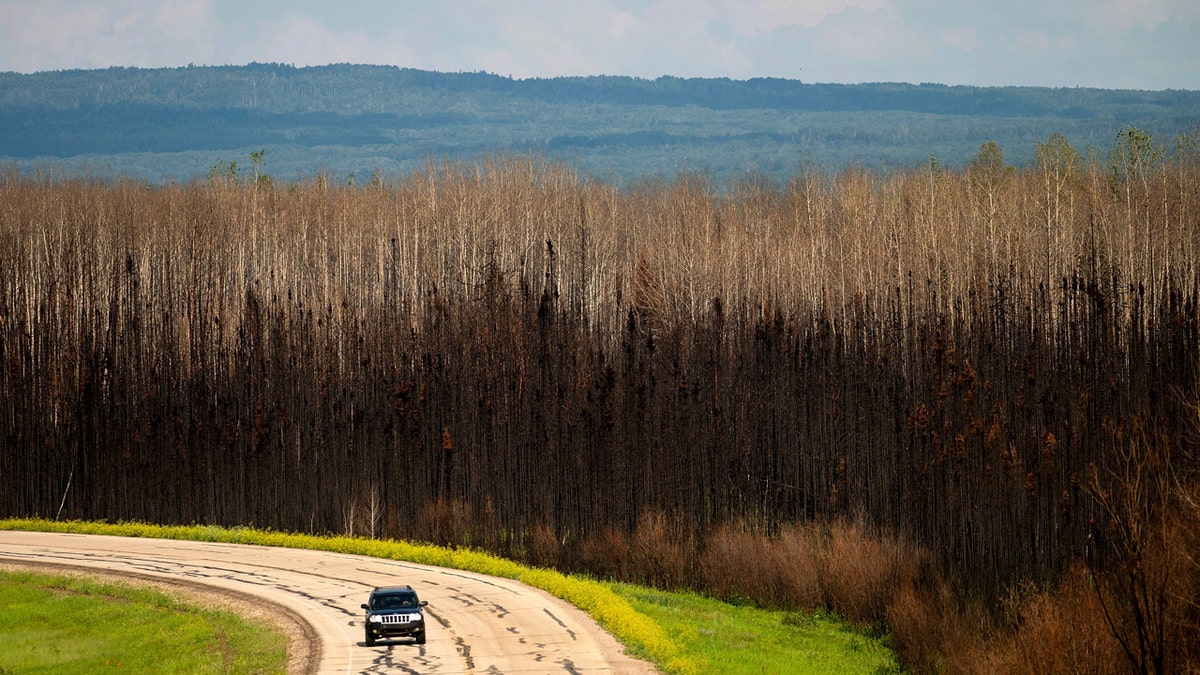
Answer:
(475, 623)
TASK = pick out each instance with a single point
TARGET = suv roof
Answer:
(393, 589)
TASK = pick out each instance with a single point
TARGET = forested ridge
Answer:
(350, 88)
(174, 123)
(988, 364)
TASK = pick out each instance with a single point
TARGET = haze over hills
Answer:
(355, 121)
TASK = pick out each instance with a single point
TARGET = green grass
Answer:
(745, 639)
(678, 632)
(57, 624)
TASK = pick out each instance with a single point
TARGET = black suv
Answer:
(394, 612)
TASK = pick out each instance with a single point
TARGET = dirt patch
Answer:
(304, 646)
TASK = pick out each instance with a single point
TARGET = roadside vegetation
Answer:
(742, 638)
(956, 406)
(58, 624)
(678, 632)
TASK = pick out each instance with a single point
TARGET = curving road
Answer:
(476, 624)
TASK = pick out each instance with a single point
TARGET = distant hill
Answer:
(353, 121)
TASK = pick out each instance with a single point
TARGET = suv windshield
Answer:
(394, 601)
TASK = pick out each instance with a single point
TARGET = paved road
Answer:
(477, 624)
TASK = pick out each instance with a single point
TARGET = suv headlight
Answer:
(374, 618)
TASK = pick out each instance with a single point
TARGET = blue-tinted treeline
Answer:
(372, 119)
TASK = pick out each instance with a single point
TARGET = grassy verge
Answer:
(750, 640)
(679, 633)
(55, 624)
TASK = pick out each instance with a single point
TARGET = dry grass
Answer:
(1058, 631)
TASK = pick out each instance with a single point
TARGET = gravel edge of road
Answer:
(304, 646)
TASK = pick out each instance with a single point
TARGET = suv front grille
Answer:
(395, 618)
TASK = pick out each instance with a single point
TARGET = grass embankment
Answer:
(678, 632)
(58, 624)
(736, 639)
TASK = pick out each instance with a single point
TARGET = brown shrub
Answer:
(795, 555)
(932, 633)
(1059, 631)
(1153, 595)
(543, 548)
(1152, 516)
(445, 523)
(862, 572)
(916, 624)
(606, 555)
(656, 554)
(726, 565)
(738, 564)
(1044, 632)
(1184, 629)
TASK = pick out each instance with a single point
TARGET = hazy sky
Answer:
(1146, 44)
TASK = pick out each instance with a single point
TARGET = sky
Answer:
(1114, 44)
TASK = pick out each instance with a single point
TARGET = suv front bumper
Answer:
(386, 629)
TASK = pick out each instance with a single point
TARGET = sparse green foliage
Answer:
(229, 172)
(988, 164)
(1057, 158)
(256, 159)
(989, 175)
(1134, 155)
(260, 179)
(224, 171)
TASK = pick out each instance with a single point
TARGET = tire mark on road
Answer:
(464, 650)
(560, 622)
